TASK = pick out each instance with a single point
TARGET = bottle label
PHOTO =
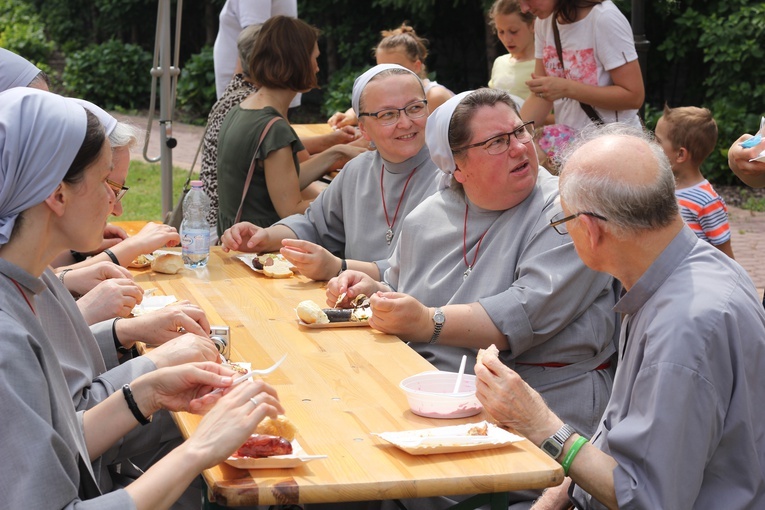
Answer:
(195, 241)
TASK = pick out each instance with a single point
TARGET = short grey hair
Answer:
(245, 42)
(123, 135)
(629, 207)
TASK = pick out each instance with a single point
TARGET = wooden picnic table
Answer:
(338, 386)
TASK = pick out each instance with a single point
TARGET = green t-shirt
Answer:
(237, 141)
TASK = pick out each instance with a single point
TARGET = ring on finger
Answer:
(254, 400)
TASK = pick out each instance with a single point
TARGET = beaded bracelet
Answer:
(143, 420)
(112, 256)
(569, 459)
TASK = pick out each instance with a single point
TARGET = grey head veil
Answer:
(40, 135)
(15, 71)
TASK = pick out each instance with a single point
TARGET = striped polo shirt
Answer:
(705, 212)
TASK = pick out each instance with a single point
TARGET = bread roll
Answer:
(281, 426)
(168, 263)
(311, 313)
(277, 270)
(491, 350)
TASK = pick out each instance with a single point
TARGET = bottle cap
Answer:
(196, 184)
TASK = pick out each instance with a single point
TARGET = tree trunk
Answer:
(211, 23)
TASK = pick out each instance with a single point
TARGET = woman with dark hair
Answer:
(598, 79)
(282, 63)
(54, 195)
(477, 264)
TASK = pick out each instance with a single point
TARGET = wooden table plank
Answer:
(338, 386)
(306, 130)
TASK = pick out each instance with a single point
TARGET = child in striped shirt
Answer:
(688, 136)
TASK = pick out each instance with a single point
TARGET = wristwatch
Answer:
(438, 319)
(553, 445)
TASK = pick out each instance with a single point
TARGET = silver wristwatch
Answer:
(438, 319)
(553, 445)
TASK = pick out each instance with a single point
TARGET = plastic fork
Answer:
(250, 373)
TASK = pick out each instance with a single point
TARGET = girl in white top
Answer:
(600, 65)
(515, 30)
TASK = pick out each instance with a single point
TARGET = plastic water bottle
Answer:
(195, 230)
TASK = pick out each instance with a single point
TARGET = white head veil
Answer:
(361, 82)
(15, 71)
(40, 135)
(106, 119)
(437, 133)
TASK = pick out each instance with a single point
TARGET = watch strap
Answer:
(438, 325)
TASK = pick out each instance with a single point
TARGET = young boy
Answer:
(688, 136)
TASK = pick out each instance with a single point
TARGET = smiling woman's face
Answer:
(405, 138)
(500, 181)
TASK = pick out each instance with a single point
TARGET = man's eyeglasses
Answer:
(414, 110)
(559, 223)
(500, 143)
(118, 189)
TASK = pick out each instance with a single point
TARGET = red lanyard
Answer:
(23, 294)
(389, 232)
(464, 247)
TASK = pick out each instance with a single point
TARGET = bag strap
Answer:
(252, 167)
(589, 110)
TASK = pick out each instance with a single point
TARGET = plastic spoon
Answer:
(460, 374)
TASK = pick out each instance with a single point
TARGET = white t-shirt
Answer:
(592, 46)
(235, 16)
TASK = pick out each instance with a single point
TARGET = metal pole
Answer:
(165, 73)
(641, 43)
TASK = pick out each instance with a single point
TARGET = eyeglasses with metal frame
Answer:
(498, 144)
(118, 189)
(389, 116)
(559, 224)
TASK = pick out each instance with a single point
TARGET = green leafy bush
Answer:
(339, 90)
(22, 32)
(196, 86)
(730, 35)
(112, 75)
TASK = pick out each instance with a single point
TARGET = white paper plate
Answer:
(450, 439)
(248, 257)
(297, 458)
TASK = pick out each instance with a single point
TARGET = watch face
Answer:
(551, 448)
(439, 317)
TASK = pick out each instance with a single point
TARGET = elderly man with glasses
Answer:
(683, 427)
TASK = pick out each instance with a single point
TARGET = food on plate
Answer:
(348, 314)
(278, 270)
(359, 311)
(311, 313)
(237, 367)
(140, 261)
(266, 259)
(261, 445)
(273, 265)
(168, 263)
(281, 426)
(492, 350)
(482, 429)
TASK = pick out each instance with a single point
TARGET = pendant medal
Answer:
(389, 236)
(467, 272)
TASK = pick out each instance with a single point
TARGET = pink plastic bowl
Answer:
(430, 395)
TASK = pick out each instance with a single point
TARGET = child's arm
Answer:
(726, 248)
